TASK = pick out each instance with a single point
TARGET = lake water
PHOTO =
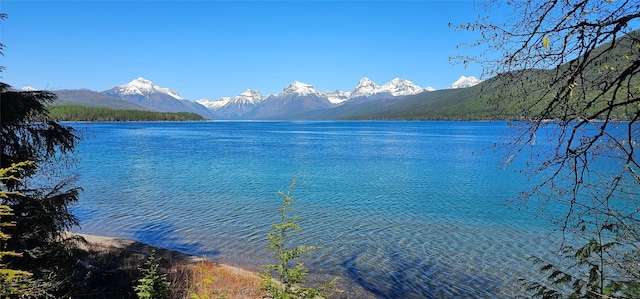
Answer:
(399, 209)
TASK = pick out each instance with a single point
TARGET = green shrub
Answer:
(289, 278)
(152, 285)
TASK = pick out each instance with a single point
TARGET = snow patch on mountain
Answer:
(144, 87)
(214, 104)
(27, 88)
(338, 96)
(465, 82)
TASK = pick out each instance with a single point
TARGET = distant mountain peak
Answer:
(365, 81)
(27, 88)
(145, 93)
(249, 97)
(144, 87)
(396, 87)
(365, 87)
(401, 87)
(214, 104)
(250, 92)
(298, 84)
(300, 88)
(142, 81)
(464, 82)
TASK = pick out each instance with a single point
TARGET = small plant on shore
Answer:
(208, 280)
(289, 278)
(202, 286)
(152, 285)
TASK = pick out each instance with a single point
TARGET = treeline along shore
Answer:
(103, 114)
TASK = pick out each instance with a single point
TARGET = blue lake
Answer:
(399, 209)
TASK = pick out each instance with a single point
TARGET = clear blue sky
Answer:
(211, 49)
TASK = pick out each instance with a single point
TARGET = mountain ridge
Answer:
(297, 98)
(279, 105)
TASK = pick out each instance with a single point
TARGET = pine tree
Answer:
(152, 285)
(13, 283)
(289, 279)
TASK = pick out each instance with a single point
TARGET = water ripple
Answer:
(401, 210)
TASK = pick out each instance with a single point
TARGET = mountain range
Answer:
(398, 99)
(295, 100)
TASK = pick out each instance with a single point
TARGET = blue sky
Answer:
(211, 49)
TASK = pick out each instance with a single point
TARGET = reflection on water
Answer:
(399, 209)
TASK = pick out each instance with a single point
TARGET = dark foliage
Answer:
(41, 196)
(86, 113)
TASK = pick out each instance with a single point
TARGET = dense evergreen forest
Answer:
(87, 113)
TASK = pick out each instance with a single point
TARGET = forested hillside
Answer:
(498, 98)
(87, 97)
(88, 113)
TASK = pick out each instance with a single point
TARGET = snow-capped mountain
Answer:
(294, 99)
(394, 88)
(144, 87)
(250, 96)
(149, 95)
(300, 89)
(27, 88)
(299, 97)
(234, 107)
(365, 88)
(247, 98)
(465, 82)
(401, 87)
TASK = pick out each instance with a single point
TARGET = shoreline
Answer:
(135, 253)
(106, 243)
(113, 266)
